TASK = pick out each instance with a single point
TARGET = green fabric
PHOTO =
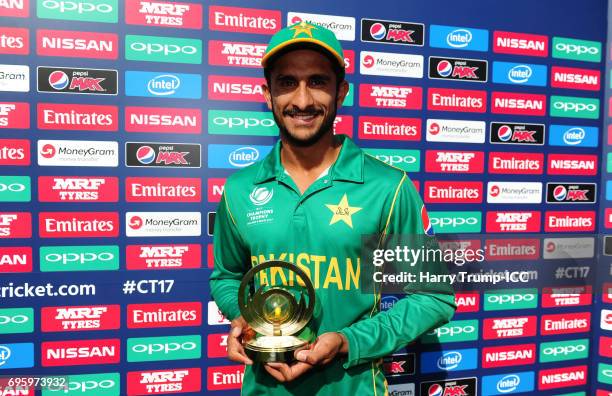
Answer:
(304, 33)
(294, 227)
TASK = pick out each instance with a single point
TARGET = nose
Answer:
(302, 97)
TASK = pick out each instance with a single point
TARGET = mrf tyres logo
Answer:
(76, 81)
(184, 380)
(78, 189)
(173, 155)
(163, 14)
(509, 327)
(392, 32)
(513, 133)
(159, 257)
(228, 53)
(458, 69)
(81, 318)
(390, 96)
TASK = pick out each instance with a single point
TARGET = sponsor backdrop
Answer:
(121, 119)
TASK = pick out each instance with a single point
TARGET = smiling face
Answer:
(304, 96)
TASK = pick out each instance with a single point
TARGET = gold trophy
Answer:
(276, 312)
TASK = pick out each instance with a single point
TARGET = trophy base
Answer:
(266, 349)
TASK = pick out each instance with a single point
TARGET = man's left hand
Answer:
(321, 352)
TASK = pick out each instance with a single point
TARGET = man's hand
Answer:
(239, 330)
(321, 352)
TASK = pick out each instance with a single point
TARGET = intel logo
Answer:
(244, 156)
(574, 136)
(163, 85)
(509, 383)
(459, 38)
(5, 355)
(449, 361)
(387, 302)
(520, 74)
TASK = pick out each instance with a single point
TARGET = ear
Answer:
(267, 95)
(343, 89)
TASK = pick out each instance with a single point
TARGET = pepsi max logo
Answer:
(399, 365)
(514, 133)
(473, 70)
(175, 155)
(449, 387)
(76, 81)
(435, 390)
(571, 192)
(392, 32)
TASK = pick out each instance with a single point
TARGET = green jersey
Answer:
(263, 216)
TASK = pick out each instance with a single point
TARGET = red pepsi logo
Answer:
(48, 151)
(435, 390)
(378, 31)
(58, 80)
(427, 227)
(504, 133)
(445, 68)
(560, 193)
(145, 155)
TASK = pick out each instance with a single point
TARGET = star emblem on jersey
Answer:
(303, 27)
(343, 211)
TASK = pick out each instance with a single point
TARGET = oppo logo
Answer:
(576, 49)
(575, 107)
(396, 159)
(554, 351)
(80, 258)
(15, 319)
(84, 386)
(13, 187)
(78, 7)
(150, 349)
(166, 49)
(452, 330)
(511, 298)
(442, 222)
(246, 123)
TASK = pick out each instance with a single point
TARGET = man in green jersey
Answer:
(309, 202)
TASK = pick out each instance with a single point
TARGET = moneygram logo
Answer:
(75, 44)
(77, 153)
(453, 192)
(511, 133)
(565, 323)
(146, 316)
(571, 106)
(15, 41)
(138, 224)
(235, 88)
(160, 257)
(80, 318)
(163, 14)
(392, 32)
(81, 352)
(581, 50)
(151, 349)
(572, 164)
(79, 258)
(228, 53)
(455, 131)
(460, 38)
(163, 189)
(519, 104)
(564, 248)
(76, 81)
(461, 100)
(14, 115)
(516, 163)
(562, 377)
(505, 356)
(458, 69)
(390, 96)
(574, 78)
(243, 20)
(449, 360)
(454, 331)
(500, 300)
(343, 27)
(15, 225)
(15, 259)
(74, 117)
(513, 192)
(163, 120)
(509, 327)
(389, 128)
(14, 78)
(78, 224)
(528, 221)
(519, 74)
(171, 155)
(164, 381)
(163, 49)
(391, 64)
(78, 189)
(248, 123)
(78, 10)
(229, 156)
(163, 85)
(16, 320)
(568, 192)
(407, 160)
(15, 189)
(573, 136)
(455, 222)
(520, 44)
(15, 8)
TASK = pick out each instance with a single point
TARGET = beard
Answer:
(326, 126)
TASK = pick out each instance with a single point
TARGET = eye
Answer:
(317, 82)
(286, 82)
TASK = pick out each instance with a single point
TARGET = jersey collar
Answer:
(348, 165)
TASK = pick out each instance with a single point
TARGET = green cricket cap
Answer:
(304, 34)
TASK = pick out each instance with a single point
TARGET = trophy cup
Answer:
(276, 313)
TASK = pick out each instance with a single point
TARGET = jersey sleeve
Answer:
(231, 258)
(414, 314)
